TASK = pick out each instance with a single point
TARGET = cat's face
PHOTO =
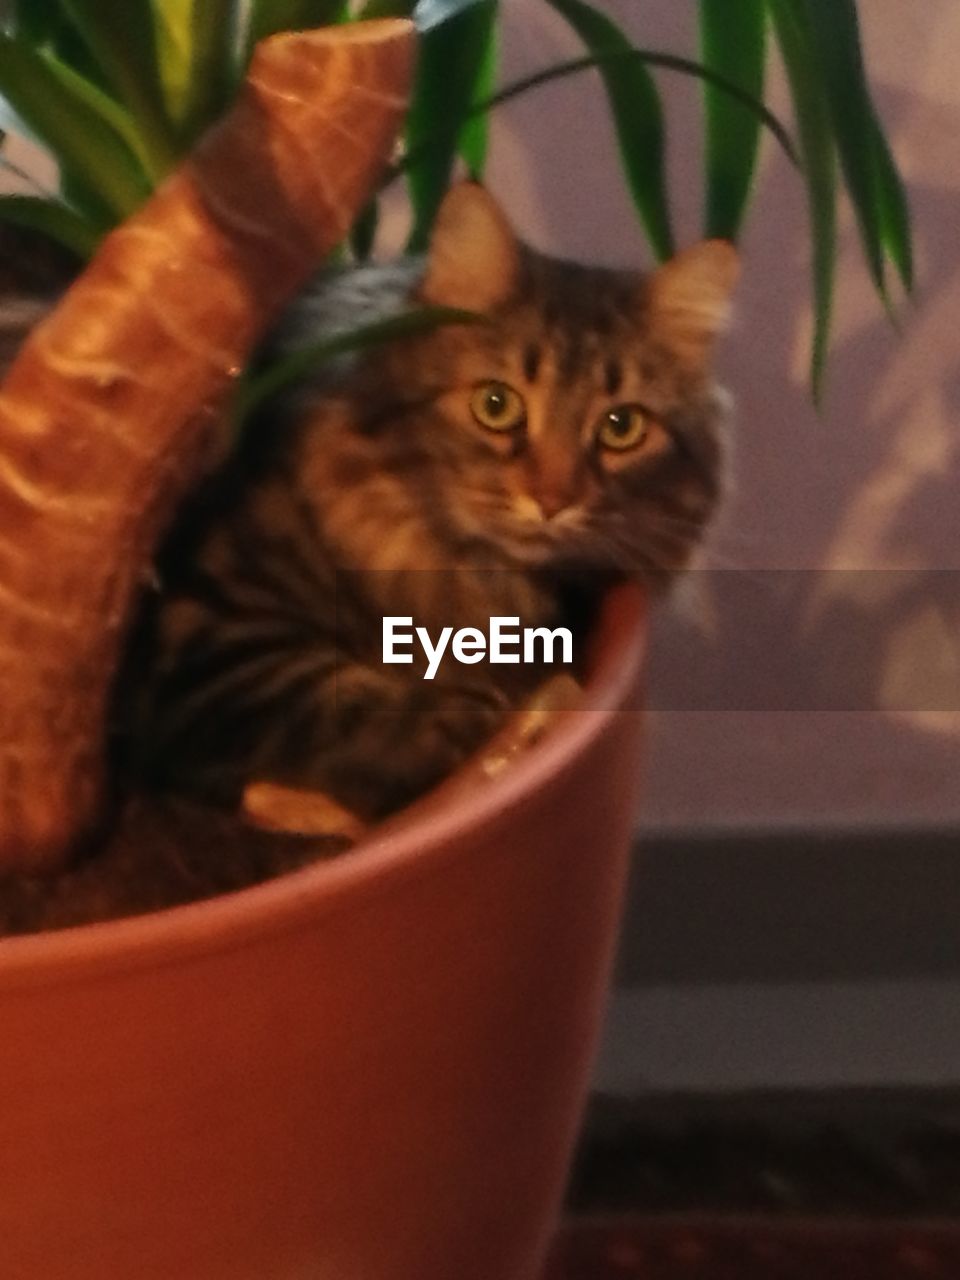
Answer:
(581, 426)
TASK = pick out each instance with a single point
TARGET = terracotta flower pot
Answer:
(371, 1069)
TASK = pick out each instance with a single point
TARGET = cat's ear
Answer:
(689, 297)
(473, 260)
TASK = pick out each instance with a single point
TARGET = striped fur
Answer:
(372, 490)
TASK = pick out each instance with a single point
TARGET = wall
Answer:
(811, 674)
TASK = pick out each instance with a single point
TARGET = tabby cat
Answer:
(469, 471)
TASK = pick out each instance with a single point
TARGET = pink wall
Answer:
(812, 686)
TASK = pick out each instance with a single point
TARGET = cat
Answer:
(473, 470)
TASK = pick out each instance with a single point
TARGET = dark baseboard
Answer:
(890, 1153)
(793, 906)
(787, 963)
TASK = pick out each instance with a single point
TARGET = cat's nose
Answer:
(552, 501)
(540, 507)
(553, 481)
(554, 493)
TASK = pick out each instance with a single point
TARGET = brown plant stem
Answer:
(110, 411)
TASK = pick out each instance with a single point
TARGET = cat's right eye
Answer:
(624, 428)
(497, 407)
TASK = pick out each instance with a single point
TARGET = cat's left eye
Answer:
(624, 427)
(497, 406)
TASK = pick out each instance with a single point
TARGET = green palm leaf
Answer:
(453, 58)
(894, 210)
(270, 16)
(297, 364)
(475, 132)
(54, 219)
(653, 58)
(818, 149)
(198, 63)
(733, 43)
(122, 40)
(637, 116)
(835, 32)
(41, 23)
(78, 124)
(387, 9)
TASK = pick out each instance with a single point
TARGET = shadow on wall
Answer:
(859, 506)
(830, 692)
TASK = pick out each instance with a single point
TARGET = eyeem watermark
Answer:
(506, 642)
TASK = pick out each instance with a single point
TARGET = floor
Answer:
(849, 1185)
(697, 1248)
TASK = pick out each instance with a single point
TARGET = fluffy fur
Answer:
(376, 489)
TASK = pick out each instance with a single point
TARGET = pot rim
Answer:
(296, 899)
